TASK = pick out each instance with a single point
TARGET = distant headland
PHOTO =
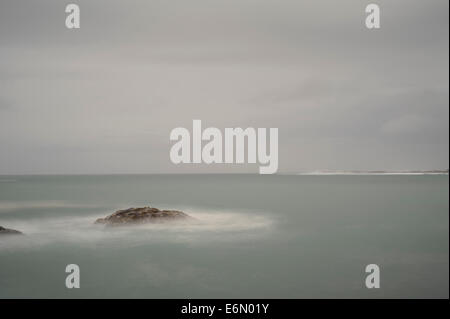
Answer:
(375, 172)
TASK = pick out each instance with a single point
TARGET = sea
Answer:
(251, 236)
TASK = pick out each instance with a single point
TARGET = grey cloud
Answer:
(104, 98)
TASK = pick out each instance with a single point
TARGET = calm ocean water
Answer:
(254, 237)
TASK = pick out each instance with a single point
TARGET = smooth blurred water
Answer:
(255, 236)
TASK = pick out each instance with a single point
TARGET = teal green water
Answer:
(254, 236)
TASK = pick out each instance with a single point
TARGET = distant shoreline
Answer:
(412, 172)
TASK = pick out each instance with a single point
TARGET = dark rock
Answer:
(7, 231)
(141, 215)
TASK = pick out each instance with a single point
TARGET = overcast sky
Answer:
(104, 98)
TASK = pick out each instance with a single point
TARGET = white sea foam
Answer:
(13, 205)
(204, 227)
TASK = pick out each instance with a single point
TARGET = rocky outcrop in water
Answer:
(7, 231)
(141, 215)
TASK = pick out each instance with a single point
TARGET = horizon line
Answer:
(301, 172)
